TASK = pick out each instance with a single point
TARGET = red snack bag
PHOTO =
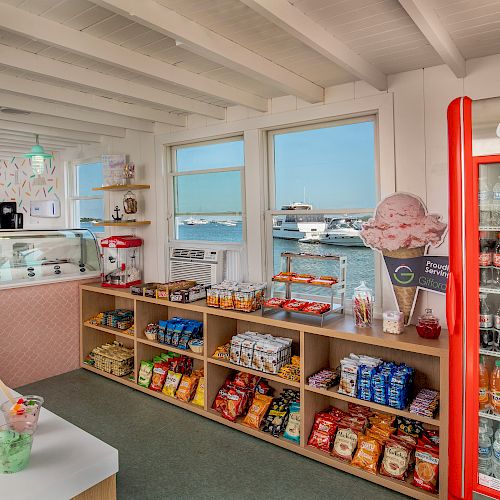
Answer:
(294, 305)
(316, 308)
(320, 440)
(337, 413)
(263, 387)
(430, 437)
(236, 402)
(346, 441)
(274, 302)
(426, 468)
(158, 377)
(355, 409)
(243, 379)
(324, 422)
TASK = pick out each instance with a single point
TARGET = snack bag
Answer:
(409, 427)
(320, 440)
(426, 468)
(199, 397)
(145, 373)
(236, 401)
(257, 410)
(367, 454)
(277, 417)
(345, 443)
(292, 430)
(396, 460)
(171, 383)
(187, 388)
(159, 376)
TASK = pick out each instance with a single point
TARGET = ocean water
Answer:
(360, 260)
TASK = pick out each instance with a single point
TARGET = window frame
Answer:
(273, 211)
(73, 197)
(172, 174)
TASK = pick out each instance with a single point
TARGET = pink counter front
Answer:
(39, 331)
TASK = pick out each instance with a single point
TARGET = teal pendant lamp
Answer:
(37, 157)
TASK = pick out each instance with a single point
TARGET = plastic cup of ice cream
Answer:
(15, 449)
(23, 416)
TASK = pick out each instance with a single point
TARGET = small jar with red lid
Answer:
(428, 326)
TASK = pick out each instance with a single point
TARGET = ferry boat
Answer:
(307, 227)
(343, 232)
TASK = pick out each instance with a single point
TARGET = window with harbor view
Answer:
(207, 190)
(323, 182)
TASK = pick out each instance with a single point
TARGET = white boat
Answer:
(229, 223)
(307, 227)
(343, 232)
(194, 222)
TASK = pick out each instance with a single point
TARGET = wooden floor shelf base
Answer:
(318, 348)
(401, 486)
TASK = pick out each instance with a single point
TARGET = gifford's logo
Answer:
(403, 275)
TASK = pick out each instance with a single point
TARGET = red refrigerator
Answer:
(473, 301)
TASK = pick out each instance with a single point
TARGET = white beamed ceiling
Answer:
(381, 32)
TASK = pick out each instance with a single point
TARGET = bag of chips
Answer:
(368, 453)
(145, 373)
(320, 440)
(199, 397)
(187, 388)
(158, 377)
(292, 430)
(235, 403)
(171, 383)
(345, 442)
(409, 427)
(396, 460)
(426, 468)
(257, 410)
(277, 417)
(243, 379)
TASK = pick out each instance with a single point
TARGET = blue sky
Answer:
(90, 176)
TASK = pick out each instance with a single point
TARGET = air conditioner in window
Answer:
(204, 266)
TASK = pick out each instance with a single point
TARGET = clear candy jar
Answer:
(362, 305)
(428, 326)
(393, 322)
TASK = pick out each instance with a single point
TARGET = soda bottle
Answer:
(495, 388)
(496, 254)
(486, 256)
(484, 197)
(496, 319)
(484, 385)
(485, 316)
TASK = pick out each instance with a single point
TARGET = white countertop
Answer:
(65, 461)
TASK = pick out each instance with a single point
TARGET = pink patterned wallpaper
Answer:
(39, 331)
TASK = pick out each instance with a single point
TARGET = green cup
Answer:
(15, 449)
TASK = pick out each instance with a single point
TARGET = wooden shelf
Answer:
(333, 393)
(267, 376)
(108, 329)
(122, 187)
(166, 347)
(123, 223)
(318, 346)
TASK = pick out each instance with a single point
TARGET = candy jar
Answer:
(362, 305)
(428, 326)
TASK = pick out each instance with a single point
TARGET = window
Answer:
(323, 184)
(206, 191)
(87, 206)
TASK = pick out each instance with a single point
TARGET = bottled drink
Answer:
(496, 456)
(495, 388)
(486, 255)
(484, 453)
(495, 204)
(485, 316)
(496, 319)
(496, 254)
(484, 385)
(487, 424)
(484, 196)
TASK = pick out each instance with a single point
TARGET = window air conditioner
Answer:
(204, 266)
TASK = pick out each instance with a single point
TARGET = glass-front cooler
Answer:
(32, 256)
(486, 467)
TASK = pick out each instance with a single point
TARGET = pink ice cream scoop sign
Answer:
(402, 230)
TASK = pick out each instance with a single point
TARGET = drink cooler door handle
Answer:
(451, 303)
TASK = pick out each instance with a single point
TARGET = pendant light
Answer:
(37, 156)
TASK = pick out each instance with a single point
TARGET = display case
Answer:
(33, 257)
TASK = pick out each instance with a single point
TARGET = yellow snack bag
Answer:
(199, 397)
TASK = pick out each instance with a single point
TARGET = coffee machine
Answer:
(9, 218)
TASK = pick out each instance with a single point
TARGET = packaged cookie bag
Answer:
(426, 471)
(346, 441)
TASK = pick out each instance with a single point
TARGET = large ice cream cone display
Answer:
(402, 229)
(405, 295)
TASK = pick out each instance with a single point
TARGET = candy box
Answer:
(149, 290)
(192, 294)
(137, 289)
(163, 291)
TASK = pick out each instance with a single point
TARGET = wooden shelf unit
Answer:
(318, 347)
(122, 187)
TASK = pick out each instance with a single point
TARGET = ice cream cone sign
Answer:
(402, 230)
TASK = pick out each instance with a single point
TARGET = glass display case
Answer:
(32, 256)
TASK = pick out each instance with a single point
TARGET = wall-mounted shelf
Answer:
(123, 223)
(122, 187)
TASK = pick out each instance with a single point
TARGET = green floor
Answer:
(166, 452)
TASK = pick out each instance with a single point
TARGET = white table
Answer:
(66, 462)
